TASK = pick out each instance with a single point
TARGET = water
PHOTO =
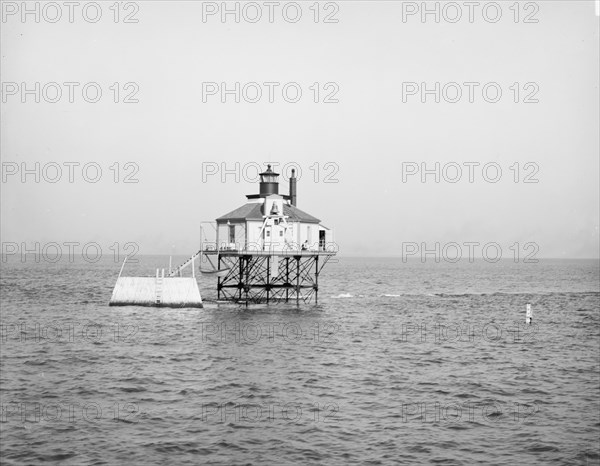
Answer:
(399, 363)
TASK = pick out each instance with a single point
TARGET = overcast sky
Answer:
(370, 134)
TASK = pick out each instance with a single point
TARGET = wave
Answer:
(516, 293)
(479, 294)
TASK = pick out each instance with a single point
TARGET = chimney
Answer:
(293, 187)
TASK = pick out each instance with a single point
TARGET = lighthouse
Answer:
(265, 250)
(268, 249)
(269, 221)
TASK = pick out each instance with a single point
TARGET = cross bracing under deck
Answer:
(265, 276)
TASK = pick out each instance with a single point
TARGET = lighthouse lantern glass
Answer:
(269, 177)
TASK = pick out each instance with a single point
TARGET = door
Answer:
(322, 240)
(267, 238)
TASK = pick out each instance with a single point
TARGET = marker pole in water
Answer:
(528, 314)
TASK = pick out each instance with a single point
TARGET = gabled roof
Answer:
(298, 215)
(253, 211)
(250, 211)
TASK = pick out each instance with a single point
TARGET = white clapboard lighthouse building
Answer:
(270, 221)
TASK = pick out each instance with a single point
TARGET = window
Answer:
(232, 233)
(280, 232)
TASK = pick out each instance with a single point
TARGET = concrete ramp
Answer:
(156, 291)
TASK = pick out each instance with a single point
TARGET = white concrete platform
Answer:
(158, 292)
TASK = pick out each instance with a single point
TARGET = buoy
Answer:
(528, 315)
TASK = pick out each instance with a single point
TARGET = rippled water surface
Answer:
(399, 363)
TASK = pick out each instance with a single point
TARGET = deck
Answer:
(248, 252)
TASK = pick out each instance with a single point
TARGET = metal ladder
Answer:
(159, 286)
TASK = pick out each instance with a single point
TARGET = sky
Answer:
(172, 153)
